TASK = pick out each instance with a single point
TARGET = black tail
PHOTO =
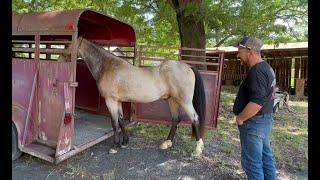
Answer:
(199, 102)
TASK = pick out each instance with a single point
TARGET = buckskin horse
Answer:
(119, 81)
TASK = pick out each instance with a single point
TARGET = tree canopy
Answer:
(225, 21)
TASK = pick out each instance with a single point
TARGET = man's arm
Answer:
(249, 111)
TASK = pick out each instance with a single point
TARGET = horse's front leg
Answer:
(113, 109)
(168, 143)
(123, 126)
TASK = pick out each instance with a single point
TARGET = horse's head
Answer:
(66, 55)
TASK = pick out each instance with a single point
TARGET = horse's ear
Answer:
(80, 38)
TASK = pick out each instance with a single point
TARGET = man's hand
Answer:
(249, 111)
(239, 121)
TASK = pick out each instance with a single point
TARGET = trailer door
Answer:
(56, 93)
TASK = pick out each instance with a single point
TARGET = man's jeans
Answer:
(256, 153)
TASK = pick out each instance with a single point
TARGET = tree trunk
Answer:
(191, 29)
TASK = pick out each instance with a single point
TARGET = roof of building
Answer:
(283, 49)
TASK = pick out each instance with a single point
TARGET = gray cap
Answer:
(251, 43)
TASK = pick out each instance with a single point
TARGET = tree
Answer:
(196, 23)
(191, 27)
(273, 21)
(190, 23)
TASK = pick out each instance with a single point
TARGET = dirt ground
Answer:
(144, 160)
(139, 161)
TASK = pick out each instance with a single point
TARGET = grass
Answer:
(149, 132)
(78, 171)
(158, 133)
(290, 137)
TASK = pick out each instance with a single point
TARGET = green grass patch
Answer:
(182, 142)
(290, 136)
(150, 132)
(227, 98)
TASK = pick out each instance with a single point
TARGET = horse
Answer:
(118, 81)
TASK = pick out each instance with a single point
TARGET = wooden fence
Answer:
(287, 70)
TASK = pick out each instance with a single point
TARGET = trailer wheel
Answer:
(16, 152)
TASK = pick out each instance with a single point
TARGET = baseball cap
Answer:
(251, 43)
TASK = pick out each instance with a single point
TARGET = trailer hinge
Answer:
(73, 84)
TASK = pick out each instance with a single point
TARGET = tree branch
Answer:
(150, 6)
(223, 40)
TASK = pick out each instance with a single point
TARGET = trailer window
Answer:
(23, 47)
(55, 47)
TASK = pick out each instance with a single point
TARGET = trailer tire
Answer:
(16, 152)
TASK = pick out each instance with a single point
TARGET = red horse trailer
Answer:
(45, 121)
(57, 110)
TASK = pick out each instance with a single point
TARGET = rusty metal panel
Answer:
(65, 139)
(23, 80)
(23, 72)
(52, 76)
(159, 112)
(88, 23)
(48, 21)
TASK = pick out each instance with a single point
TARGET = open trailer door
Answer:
(56, 93)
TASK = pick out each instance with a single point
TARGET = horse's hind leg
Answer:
(113, 109)
(174, 108)
(188, 107)
(123, 127)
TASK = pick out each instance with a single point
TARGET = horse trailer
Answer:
(57, 110)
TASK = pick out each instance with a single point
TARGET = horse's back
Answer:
(129, 83)
(135, 84)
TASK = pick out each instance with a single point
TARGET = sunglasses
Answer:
(243, 46)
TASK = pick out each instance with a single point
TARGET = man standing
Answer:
(253, 109)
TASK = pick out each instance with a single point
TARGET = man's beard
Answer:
(243, 62)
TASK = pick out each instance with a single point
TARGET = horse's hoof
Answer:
(112, 151)
(124, 146)
(166, 144)
(199, 149)
(200, 145)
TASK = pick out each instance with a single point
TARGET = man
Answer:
(253, 109)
